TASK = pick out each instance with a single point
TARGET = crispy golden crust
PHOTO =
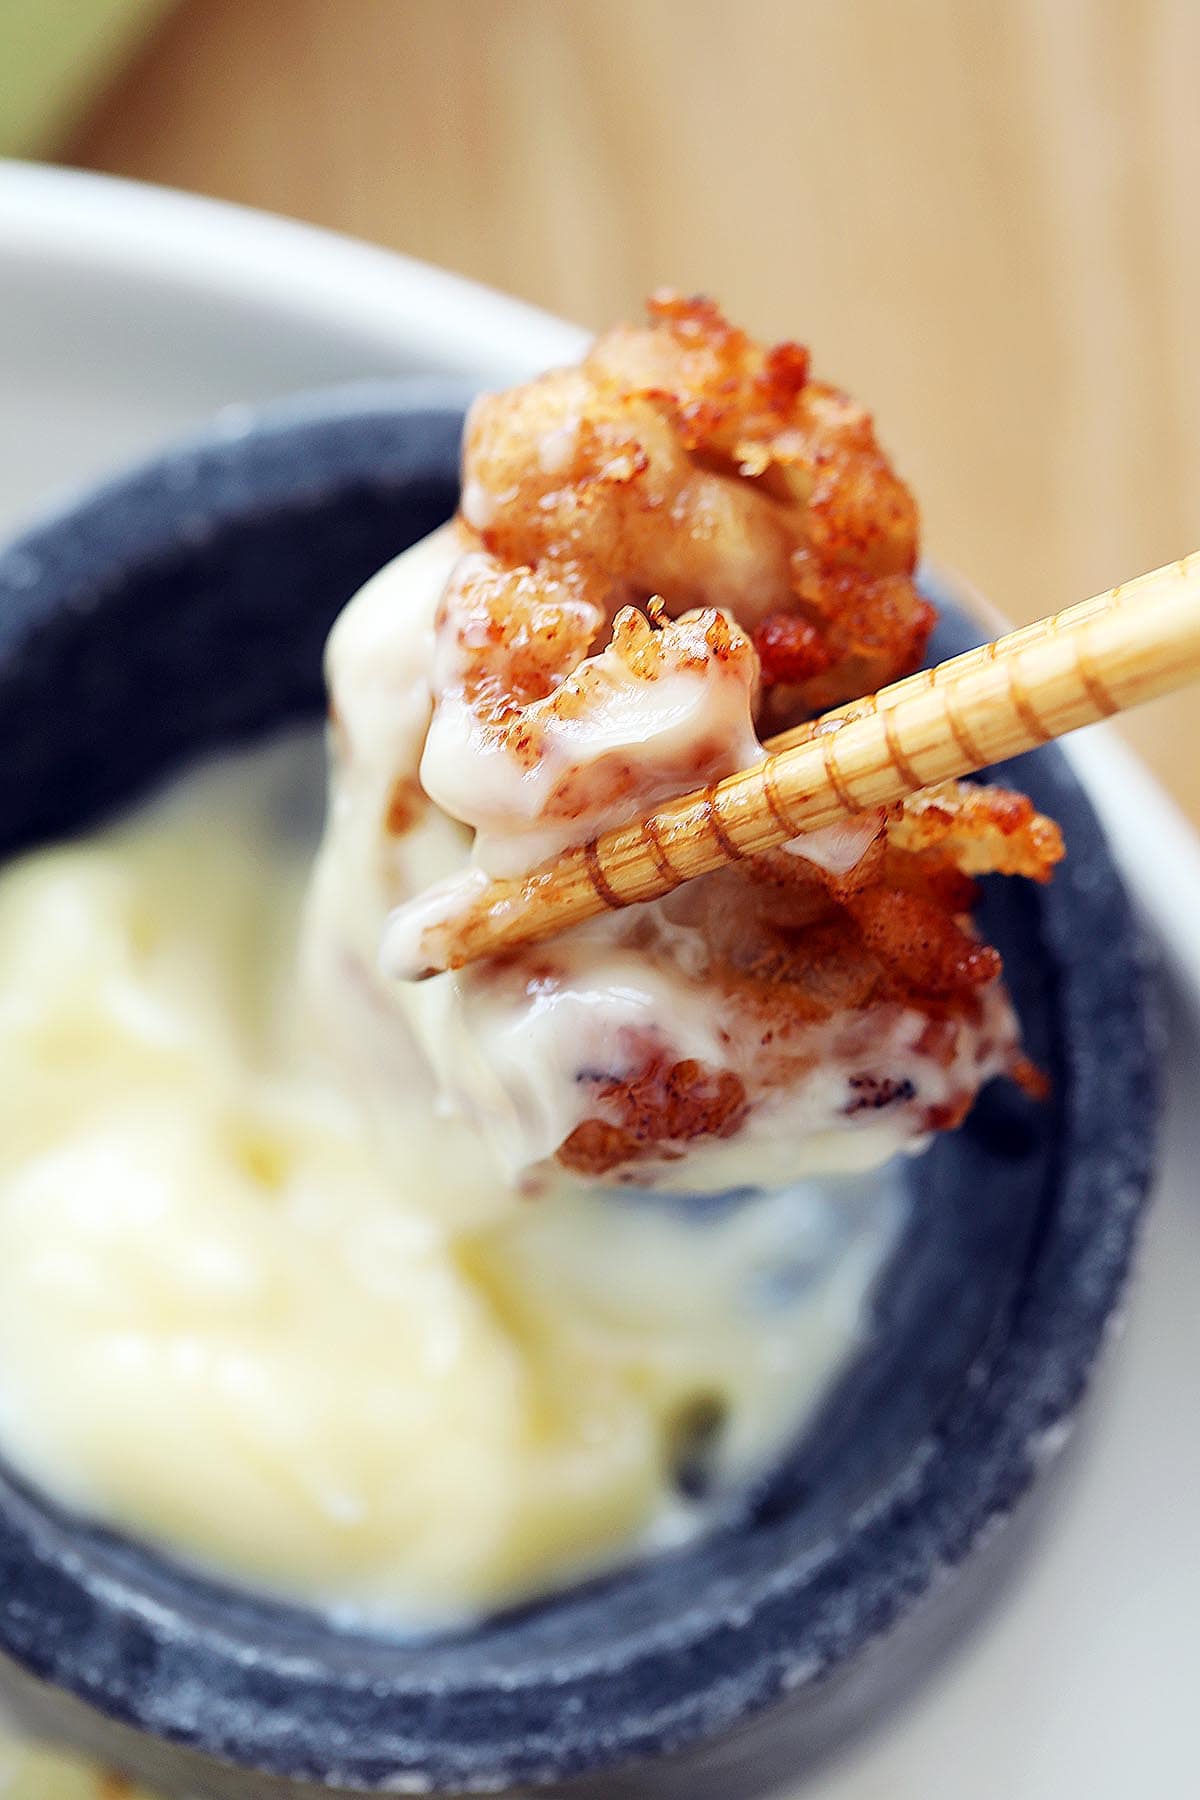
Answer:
(685, 460)
(981, 830)
(512, 636)
(794, 948)
(665, 1102)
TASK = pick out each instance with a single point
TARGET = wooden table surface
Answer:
(981, 216)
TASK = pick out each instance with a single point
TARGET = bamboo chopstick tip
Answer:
(422, 937)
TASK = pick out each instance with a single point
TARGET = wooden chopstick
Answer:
(1097, 658)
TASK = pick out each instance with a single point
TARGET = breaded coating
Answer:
(684, 460)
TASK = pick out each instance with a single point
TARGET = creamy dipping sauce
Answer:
(345, 1363)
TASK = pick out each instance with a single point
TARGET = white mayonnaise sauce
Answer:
(341, 1360)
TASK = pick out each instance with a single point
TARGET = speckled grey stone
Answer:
(185, 606)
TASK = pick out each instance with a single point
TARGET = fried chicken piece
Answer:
(680, 545)
(685, 460)
(536, 742)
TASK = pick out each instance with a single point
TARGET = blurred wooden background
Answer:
(981, 213)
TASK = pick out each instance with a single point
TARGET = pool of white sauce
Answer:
(351, 1368)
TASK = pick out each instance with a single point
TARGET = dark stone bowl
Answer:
(185, 606)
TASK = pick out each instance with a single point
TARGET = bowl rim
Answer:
(75, 222)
